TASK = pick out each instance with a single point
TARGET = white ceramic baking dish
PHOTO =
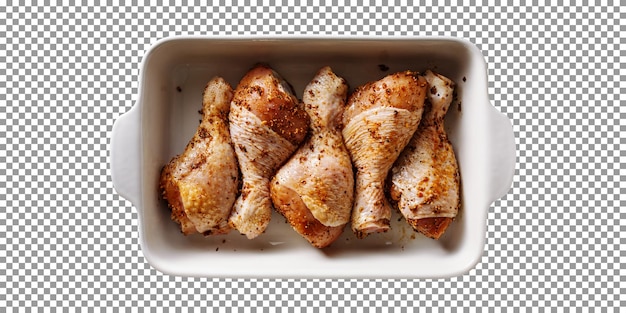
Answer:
(173, 74)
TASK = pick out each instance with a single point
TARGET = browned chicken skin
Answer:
(270, 98)
(267, 123)
(425, 179)
(379, 121)
(200, 185)
(315, 189)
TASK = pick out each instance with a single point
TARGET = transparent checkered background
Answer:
(556, 241)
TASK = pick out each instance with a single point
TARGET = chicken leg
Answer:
(315, 189)
(200, 185)
(379, 121)
(267, 123)
(425, 179)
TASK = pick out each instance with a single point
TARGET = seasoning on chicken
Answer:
(315, 189)
(267, 123)
(425, 179)
(380, 119)
(200, 185)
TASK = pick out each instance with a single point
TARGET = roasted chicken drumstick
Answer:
(267, 123)
(315, 189)
(379, 121)
(425, 179)
(200, 185)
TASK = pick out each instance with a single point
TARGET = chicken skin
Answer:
(379, 120)
(314, 190)
(267, 124)
(425, 180)
(200, 185)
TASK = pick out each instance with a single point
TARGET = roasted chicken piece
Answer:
(201, 184)
(380, 119)
(267, 123)
(315, 189)
(425, 180)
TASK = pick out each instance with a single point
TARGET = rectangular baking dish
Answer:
(165, 116)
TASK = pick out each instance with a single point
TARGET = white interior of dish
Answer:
(174, 75)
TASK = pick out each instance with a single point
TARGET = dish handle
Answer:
(125, 155)
(503, 154)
